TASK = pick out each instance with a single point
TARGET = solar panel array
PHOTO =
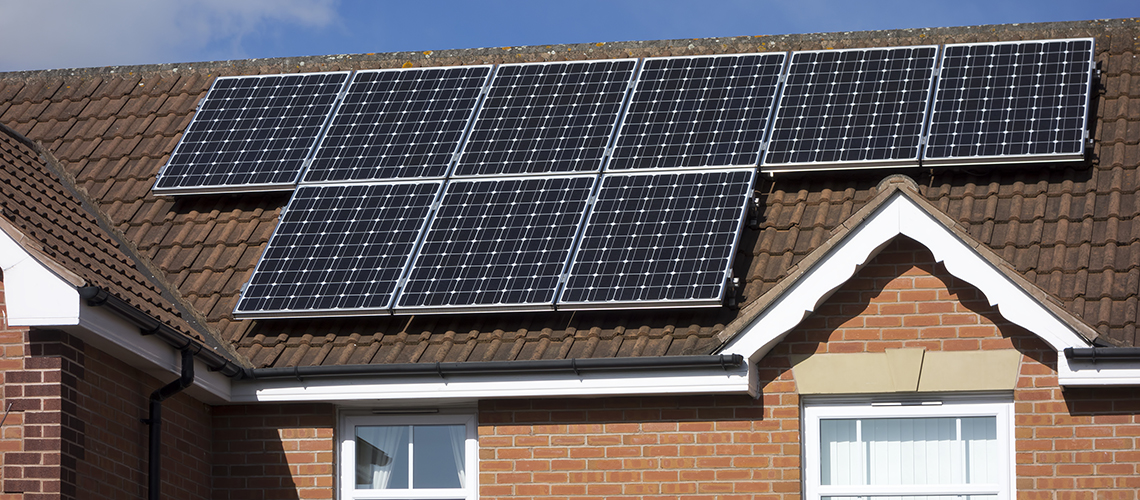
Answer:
(338, 250)
(498, 243)
(707, 111)
(1016, 101)
(863, 107)
(589, 184)
(252, 133)
(398, 124)
(547, 118)
(659, 239)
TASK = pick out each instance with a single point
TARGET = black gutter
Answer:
(1105, 353)
(98, 297)
(442, 370)
(154, 466)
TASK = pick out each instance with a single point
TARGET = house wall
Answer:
(74, 434)
(1071, 444)
(74, 431)
(275, 451)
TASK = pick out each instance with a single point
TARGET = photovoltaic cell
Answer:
(398, 124)
(1016, 101)
(497, 244)
(659, 240)
(251, 133)
(853, 108)
(704, 111)
(547, 118)
(338, 250)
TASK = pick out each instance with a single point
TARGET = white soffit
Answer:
(899, 215)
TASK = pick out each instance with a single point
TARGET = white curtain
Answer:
(378, 448)
(458, 434)
(900, 451)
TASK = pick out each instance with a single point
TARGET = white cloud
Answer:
(80, 33)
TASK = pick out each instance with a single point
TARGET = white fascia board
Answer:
(899, 216)
(37, 296)
(34, 295)
(1104, 372)
(122, 339)
(470, 387)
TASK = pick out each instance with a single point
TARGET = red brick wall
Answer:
(274, 451)
(1071, 444)
(75, 429)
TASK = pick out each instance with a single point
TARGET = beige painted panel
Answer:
(906, 370)
(970, 370)
(896, 370)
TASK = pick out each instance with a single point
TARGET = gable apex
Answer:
(899, 210)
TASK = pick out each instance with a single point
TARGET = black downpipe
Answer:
(154, 467)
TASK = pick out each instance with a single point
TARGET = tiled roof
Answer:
(42, 209)
(1069, 230)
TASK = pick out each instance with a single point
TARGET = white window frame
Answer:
(816, 409)
(346, 466)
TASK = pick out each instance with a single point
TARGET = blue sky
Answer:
(48, 34)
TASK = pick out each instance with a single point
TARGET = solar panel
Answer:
(396, 124)
(547, 118)
(338, 250)
(851, 108)
(251, 133)
(497, 244)
(659, 240)
(1014, 101)
(707, 111)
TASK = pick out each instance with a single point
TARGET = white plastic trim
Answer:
(899, 216)
(1074, 372)
(469, 387)
(34, 295)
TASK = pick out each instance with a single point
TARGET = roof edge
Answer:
(578, 50)
(141, 263)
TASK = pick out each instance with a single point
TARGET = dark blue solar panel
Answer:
(1012, 101)
(705, 111)
(338, 250)
(547, 118)
(859, 107)
(398, 124)
(252, 133)
(659, 240)
(497, 244)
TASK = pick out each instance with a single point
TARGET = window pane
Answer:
(382, 457)
(900, 451)
(438, 456)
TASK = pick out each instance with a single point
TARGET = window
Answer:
(934, 449)
(408, 457)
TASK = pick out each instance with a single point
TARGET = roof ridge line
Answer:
(303, 63)
(141, 263)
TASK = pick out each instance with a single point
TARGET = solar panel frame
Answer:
(287, 249)
(622, 160)
(321, 169)
(476, 159)
(607, 210)
(806, 159)
(935, 141)
(282, 182)
(457, 241)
